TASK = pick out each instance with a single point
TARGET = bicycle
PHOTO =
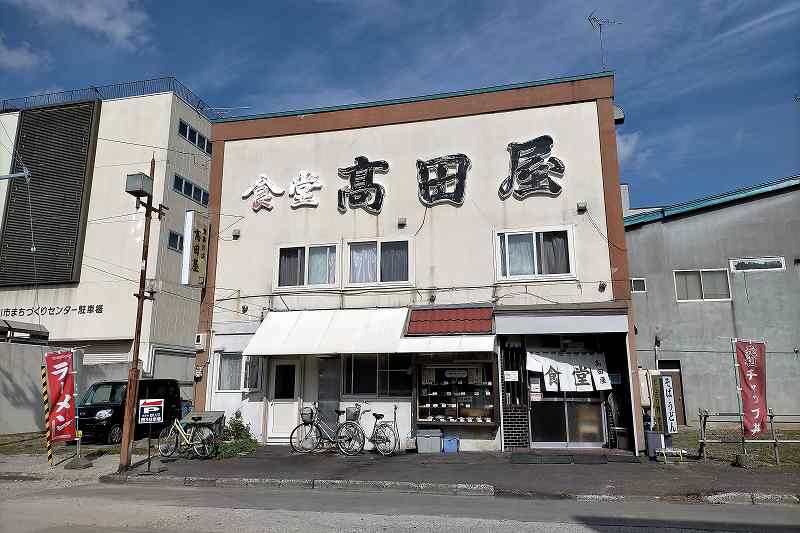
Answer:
(197, 437)
(312, 433)
(385, 437)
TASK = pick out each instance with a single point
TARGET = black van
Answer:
(102, 408)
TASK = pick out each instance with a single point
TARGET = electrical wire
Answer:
(193, 154)
(596, 226)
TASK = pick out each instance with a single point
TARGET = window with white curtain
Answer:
(230, 372)
(530, 254)
(307, 265)
(379, 262)
(702, 284)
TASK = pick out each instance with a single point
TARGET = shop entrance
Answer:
(283, 405)
(562, 421)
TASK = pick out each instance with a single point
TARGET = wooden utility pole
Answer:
(129, 422)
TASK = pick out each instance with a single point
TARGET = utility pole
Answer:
(138, 185)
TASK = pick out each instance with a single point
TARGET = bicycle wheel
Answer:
(167, 441)
(305, 438)
(350, 438)
(385, 439)
(203, 442)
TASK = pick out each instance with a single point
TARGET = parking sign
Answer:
(151, 411)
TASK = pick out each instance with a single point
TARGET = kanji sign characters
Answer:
(362, 191)
(532, 170)
(752, 368)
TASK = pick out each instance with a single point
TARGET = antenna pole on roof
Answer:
(597, 23)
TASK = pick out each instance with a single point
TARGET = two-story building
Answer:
(460, 256)
(71, 238)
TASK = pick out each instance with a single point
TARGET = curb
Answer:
(443, 489)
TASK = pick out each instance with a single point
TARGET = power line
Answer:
(153, 146)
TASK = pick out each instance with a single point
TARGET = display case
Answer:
(457, 395)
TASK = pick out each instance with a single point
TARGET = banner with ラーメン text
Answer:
(61, 395)
(751, 357)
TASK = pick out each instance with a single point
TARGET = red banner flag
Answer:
(752, 359)
(61, 394)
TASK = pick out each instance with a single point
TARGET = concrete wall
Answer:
(131, 132)
(762, 305)
(21, 388)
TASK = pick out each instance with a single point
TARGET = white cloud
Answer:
(24, 57)
(122, 21)
(631, 153)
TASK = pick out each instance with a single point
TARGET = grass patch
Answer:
(726, 452)
(237, 439)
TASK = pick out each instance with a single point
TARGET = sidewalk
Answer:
(647, 479)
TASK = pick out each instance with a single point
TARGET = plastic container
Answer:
(429, 441)
(450, 444)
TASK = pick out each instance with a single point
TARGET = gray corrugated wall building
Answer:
(675, 328)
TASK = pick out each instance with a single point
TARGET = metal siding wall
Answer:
(57, 145)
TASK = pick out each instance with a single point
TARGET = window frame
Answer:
(179, 249)
(345, 258)
(305, 285)
(733, 260)
(498, 260)
(644, 280)
(204, 146)
(377, 396)
(193, 185)
(243, 373)
(702, 292)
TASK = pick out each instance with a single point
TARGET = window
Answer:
(371, 258)
(376, 375)
(183, 129)
(291, 266)
(208, 147)
(192, 138)
(285, 381)
(230, 372)
(253, 371)
(175, 241)
(307, 265)
(693, 285)
(531, 254)
(201, 142)
(758, 264)
(190, 190)
(638, 285)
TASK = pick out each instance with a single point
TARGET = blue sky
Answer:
(708, 87)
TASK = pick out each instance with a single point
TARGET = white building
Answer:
(437, 253)
(79, 146)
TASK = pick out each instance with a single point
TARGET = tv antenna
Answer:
(597, 24)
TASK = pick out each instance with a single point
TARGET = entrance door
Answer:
(562, 421)
(283, 405)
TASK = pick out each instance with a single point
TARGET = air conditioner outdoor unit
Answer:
(200, 341)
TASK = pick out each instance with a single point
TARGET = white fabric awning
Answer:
(330, 331)
(570, 371)
(446, 343)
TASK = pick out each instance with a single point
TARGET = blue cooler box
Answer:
(450, 444)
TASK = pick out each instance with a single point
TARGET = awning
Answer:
(446, 343)
(570, 371)
(330, 331)
(554, 324)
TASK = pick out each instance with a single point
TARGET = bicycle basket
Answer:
(307, 415)
(352, 414)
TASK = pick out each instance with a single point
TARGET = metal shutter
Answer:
(57, 144)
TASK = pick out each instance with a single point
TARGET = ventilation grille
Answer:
(57, 145)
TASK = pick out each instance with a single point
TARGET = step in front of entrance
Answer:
(565, 458)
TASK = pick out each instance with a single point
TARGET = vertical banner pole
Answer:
(48, 442)
(738, 392)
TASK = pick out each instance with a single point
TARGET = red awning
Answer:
(450, 321)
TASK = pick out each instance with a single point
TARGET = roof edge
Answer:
(744, 193)
(434, 96)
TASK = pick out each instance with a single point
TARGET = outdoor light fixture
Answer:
(139, 185)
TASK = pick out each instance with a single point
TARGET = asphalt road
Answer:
(48, 507)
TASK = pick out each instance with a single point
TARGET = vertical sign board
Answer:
(656, 409)
(61, 395)
(195, 249)
(151, 411)
(751, 359)
(668, 406)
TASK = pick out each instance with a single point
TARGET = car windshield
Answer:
(104, 393)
